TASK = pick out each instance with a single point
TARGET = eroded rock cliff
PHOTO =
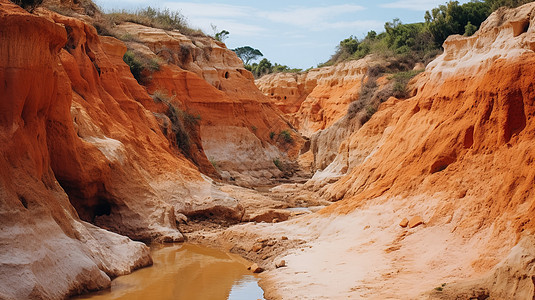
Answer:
(237, 122)
(316, 99)
(84, 144)
(459, 156)
(41, 232)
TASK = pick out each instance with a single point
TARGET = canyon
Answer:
(431, 196)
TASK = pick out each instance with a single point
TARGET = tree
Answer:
(263, 67)
(222, 35)
(247, 53)
(453, 18)
(219, 35)
(371, 35)
(469, 29)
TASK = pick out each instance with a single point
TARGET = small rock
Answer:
(404, 222)
(284, 238)
(415, 221)
(281, 264)
(181, 218)
(256, 247)
(265, 256)
(271, 242)
(255, 268)
(261, 240)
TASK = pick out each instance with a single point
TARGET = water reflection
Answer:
(186, 272)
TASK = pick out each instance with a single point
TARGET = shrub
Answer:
(401, 79)
(278, 164)
(271, 135)
(214, 163)
(140, 65)
(182, 122)
(286, 136)
(135, 65)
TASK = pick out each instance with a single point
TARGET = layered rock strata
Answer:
(239, 126)
(459, 156)
(46, 250)
(83, 142)
(316, 99)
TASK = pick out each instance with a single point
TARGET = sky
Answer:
(299, 34)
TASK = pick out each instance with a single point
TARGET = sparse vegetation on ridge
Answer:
(140, 65)
(153, 17)
(421, 41)
(402, 46)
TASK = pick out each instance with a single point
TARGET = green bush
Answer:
(278, 164)
(140, 65)
(271, 135)
(136, 67)
(182, 122)
(401, 79)
(286, 136)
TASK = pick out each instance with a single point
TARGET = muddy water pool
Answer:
(186, 271)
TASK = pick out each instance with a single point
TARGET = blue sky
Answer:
(299, 34)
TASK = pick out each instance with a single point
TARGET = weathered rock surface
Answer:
(415, 221)
(318, 98)
(237, 121)
(41, 232)
(459, 155)
(83, 142)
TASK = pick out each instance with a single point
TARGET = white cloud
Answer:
(418, 5)
(234, 27)
(244, 20)
(194, 10)
(362, 25)
(309, 16)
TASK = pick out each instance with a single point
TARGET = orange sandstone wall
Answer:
(203, 77)
(315, 100)
(465, 140)
(41, 232)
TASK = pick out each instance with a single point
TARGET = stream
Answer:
(186, 271)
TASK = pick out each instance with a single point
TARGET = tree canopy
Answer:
(222, 35)
(422, 40)
(247, 53)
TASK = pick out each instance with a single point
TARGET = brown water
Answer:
(186, 271)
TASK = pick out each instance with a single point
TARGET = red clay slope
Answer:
(465, 140)
(46, 250)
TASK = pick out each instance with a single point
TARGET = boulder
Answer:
(256, 269)
(280, 264)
